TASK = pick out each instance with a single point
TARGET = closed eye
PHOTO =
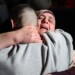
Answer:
(41, 17)
(50, 20)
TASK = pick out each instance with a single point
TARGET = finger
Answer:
(36, 37)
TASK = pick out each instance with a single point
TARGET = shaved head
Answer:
(23, 14)
(28, 16)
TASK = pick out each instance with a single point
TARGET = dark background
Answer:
(65, 19)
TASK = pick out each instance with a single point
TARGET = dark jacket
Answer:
(70, 71)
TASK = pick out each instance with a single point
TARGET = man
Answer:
(25, 18)
(27, 33)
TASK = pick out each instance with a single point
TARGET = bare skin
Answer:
(19, 36)
(46, 22)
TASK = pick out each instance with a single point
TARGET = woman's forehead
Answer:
(45, 11)
(46, 14)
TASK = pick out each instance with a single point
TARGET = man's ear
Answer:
(13, 23)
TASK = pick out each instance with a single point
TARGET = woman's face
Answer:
(46, 22)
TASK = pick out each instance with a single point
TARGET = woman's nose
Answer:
(45, 20)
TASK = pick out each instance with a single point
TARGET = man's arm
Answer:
(7, 39)
(27, 34)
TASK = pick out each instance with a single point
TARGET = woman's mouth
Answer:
(44, 27)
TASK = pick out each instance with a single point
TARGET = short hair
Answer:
(24, 14)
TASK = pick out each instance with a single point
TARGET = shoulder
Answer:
(65, 34)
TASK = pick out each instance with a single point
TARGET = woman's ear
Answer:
(13, 23)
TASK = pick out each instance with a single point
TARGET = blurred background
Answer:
(64, 11)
